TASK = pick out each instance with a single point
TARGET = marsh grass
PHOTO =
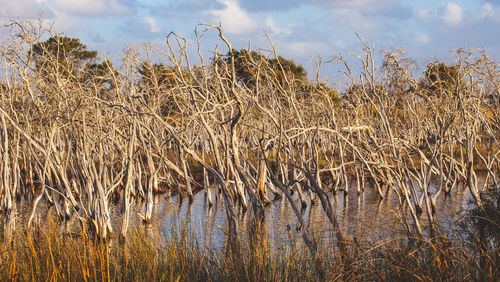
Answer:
(155, 254)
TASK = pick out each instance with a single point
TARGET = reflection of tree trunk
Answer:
(9, 225)
(206, 187)
(183, 157)
(297, 187)
(258, 238)
(310, 243)
(345, 212)
(483, 258)
(261, 181)
(472, 183)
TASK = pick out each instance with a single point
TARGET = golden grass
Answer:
(150, 255)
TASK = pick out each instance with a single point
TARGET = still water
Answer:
(358, 216)
(364, 216)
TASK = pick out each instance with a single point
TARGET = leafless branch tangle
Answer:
(76, 144)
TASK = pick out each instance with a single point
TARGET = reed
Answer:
(171, 255)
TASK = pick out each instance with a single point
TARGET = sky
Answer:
(300, 30)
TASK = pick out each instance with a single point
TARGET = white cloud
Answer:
(352, 18)
(271, 24)
(297, 49)
(24, 9)
(340, 44)
(421, 38)
(67, 23)
(452, 14)
(93, 7)
(234, 20)
(350, 3)
(153, 26)
(489, 10)
(422, 13)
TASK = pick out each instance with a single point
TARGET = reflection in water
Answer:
(363, 215)
(359, 216)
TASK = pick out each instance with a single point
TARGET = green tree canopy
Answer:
(99, 73)
(62, 54)
(441, 79)
(156, 75)
(70, 58)
(249, 65)
(160, 83)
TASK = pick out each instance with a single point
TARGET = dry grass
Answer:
(149, 256)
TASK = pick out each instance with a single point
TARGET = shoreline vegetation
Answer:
(79, 134)
(147, 255)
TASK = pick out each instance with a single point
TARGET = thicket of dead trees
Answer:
(78, 132)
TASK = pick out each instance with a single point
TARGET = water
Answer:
(363, 217)
(358, 216)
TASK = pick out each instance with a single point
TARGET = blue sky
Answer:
(301, 30)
